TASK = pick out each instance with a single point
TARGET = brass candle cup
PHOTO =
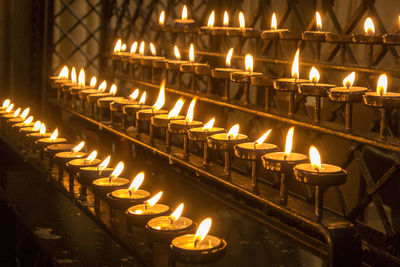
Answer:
(184, 23)
(182, 127)
(272, 34)
(224, 74)
(266, 82)
(74, 166)
(251, 33)
(61, 160)
(51, 150)
(148, 60)
(42, 143)
(65, 90)
(145, 115)
(162, 121)
(316, 36)
(289, 85)
(31, 138)
(74, 92)
(104, 106)
(130, 110)
(391, 38)
(57, 85)
(92, 100)
(87, 175)
(102, 186)
(121, 198)
(191, 68)
(245, 78)
(118, 105)
(163, 230)
(82, 95)
(367, 38)
(140, 214)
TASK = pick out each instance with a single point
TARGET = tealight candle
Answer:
(74, 166)
(174, 65)
(369, 35)
(225, 142)
(92, 98)
(274, 32)
(34, 136)
(74, 90)
(83, 94)
(132, 109)
(51, 150)
(57, 81)
(30, 129)
(118, 104)
(66, 86)
(7, 109)
(17, 118)
(190, 67)
(184, 21)
(46, 141)
(62, 158)
(317, 36)
(283, 163)
(103, 103)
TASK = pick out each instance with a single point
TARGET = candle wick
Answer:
(171, 220)
(145, 206)
(196, 242)
(285, 156)
(130, 193)
(255, 145)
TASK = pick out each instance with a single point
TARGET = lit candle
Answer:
(210, 24)
(162, 120)
(147, 60)
(103, 103)
(174, 64)
(317, 34)
(62, 158)
(53, 139)
(132, 109)
(104, 185)
(184, 22)
(67, 85)
(369, 36)
(156, 109)
(274, 32)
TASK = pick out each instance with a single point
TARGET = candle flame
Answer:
(6, 103)
(153, 49)
(137, 181)
(289, 141)
(54, 135)
(134, 47)
(226, 19)
(369, 26)
(28, 120)
(25, 113)
(42, 129)
(202, 230)
(211, 19)
(229, 57)
(189, 114)
(103, 165)
(113, 89)
(209, 124)
(81, 78)
(318, 20)
(78, 147)
(248, 61)
(233, 132)
(117, 171)
(242, 21)
(143, 98)
(162, 18)
(152, 201)
(191, 53)
(102, 87)
(314, 75)
(295, 66)
(123, 47)
(174, 112)
(73, 75)
(161, 97)
(184, 13)
(117, 47)
(274, 24)
(177, 213)
(93, 81)
(263, 137)
(10, 108)
(134, 94)
(141, 48)
(92, 156)
(315, 158)
(37, 125)
(382, 85)
(16, 112)
(63, 73)
(176, 52)
(349, 80)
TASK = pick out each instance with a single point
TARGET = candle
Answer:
(174, 64)
(53, 139)
(184, 22)
(28, 122)
(17, 117)
(237, 31)
(62, 158)
(58, 81)
(118, 104)
(104, 185)
(6, 104)
(210, 24)
(32, 137)
(90, 161)
(221, 30)
(274, 32)
(382, 98)
(31, 129)
(148, 60)
(66, 86)
(51, 150)
(132, 109)
(7, 109)
(156, 109)
(318, 34)
(369, 35)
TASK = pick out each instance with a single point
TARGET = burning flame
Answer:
(318, 20)
(315, 158)
(135, 94)
(263, 137)
(189, 114)
(104, 164)
(349, 80)
(153, 49)
(6, 103)
(209, 124)
(10, 108)
(136, 182)
(28, 120)
(248, 61)
(184, 13)
(54, 135)
(233, 132)
(102, 87)
(211, 19)
(118, 170)
(369, 26)
(161, 97)
(79, 147)
(314, 75)
(63, 73)
(92, 156)
(242, 21)
(113, 89)
(16, 112)
(25, 113)
(274, 24)
(226, 19)
(191, 53)
(81, 78)
(176, 51)
(37, 125)
(93, 81)
(202, 231)
(73, 75)
(42, 129)
(117, 47)
(174, 112)
(229, 57)
(382, 85)
(289, 141)
(295, 66)
(152, 201)
(123, 47)
(177, 213)
(141, 48)
(162, 18)
(134, 47)
(142, 98)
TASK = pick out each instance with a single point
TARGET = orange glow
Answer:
(54, 135)
(189, 114)
(6, 103)
(117, 47)
(382, 85)
(142, 98)
(16, 112)
(174, 112)
(10, 108)
(134, 47)
(191, 53)
(318, 21)
(63, 73)
(141, 48)
(295, 66)
(177, 213)
(242, 22)
(184, 13)
(314, 75)
(161, 97)
(81, 78)
(102, 87)
(37, 125)
(134, 94)
(73, 75)
(78, 147)
(209, 124)
(274, 24)
(103, 165)
(93, 81)
(226, 19)
(233, 132)
(249, 63)
(153, 49)
(176, 52)
(369, 26)
(315, 158)
(161, 18)
(113, 89)
(211, 19)
(25, 113)
(202, 231)
(42, 129)
(137, 181)
(349, 80)
(263, 137)
(123, 47)
(289, 141)
(28, 120)
(92, 156)
(117, 171)
(152, 201)
(229, 57)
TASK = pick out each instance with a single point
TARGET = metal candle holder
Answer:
(174, 65)
(159, 67)
(163, 229)
(83, 97)
(92, 101)
(42, 143)
(205, 70)
(244, 77)
(65, 90)
(317, 37)
(74, 92)
(61, 160)
(162, 121)
(87, 175)
(74, 166)
(266, 82)
(51, 150)
(104, 106)
(289, 85)
(224, 74)
(145, 115)
(130, 110)
(117, 106)
(147, 213)
(190, 68)
(122, 199)
(182, 127)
